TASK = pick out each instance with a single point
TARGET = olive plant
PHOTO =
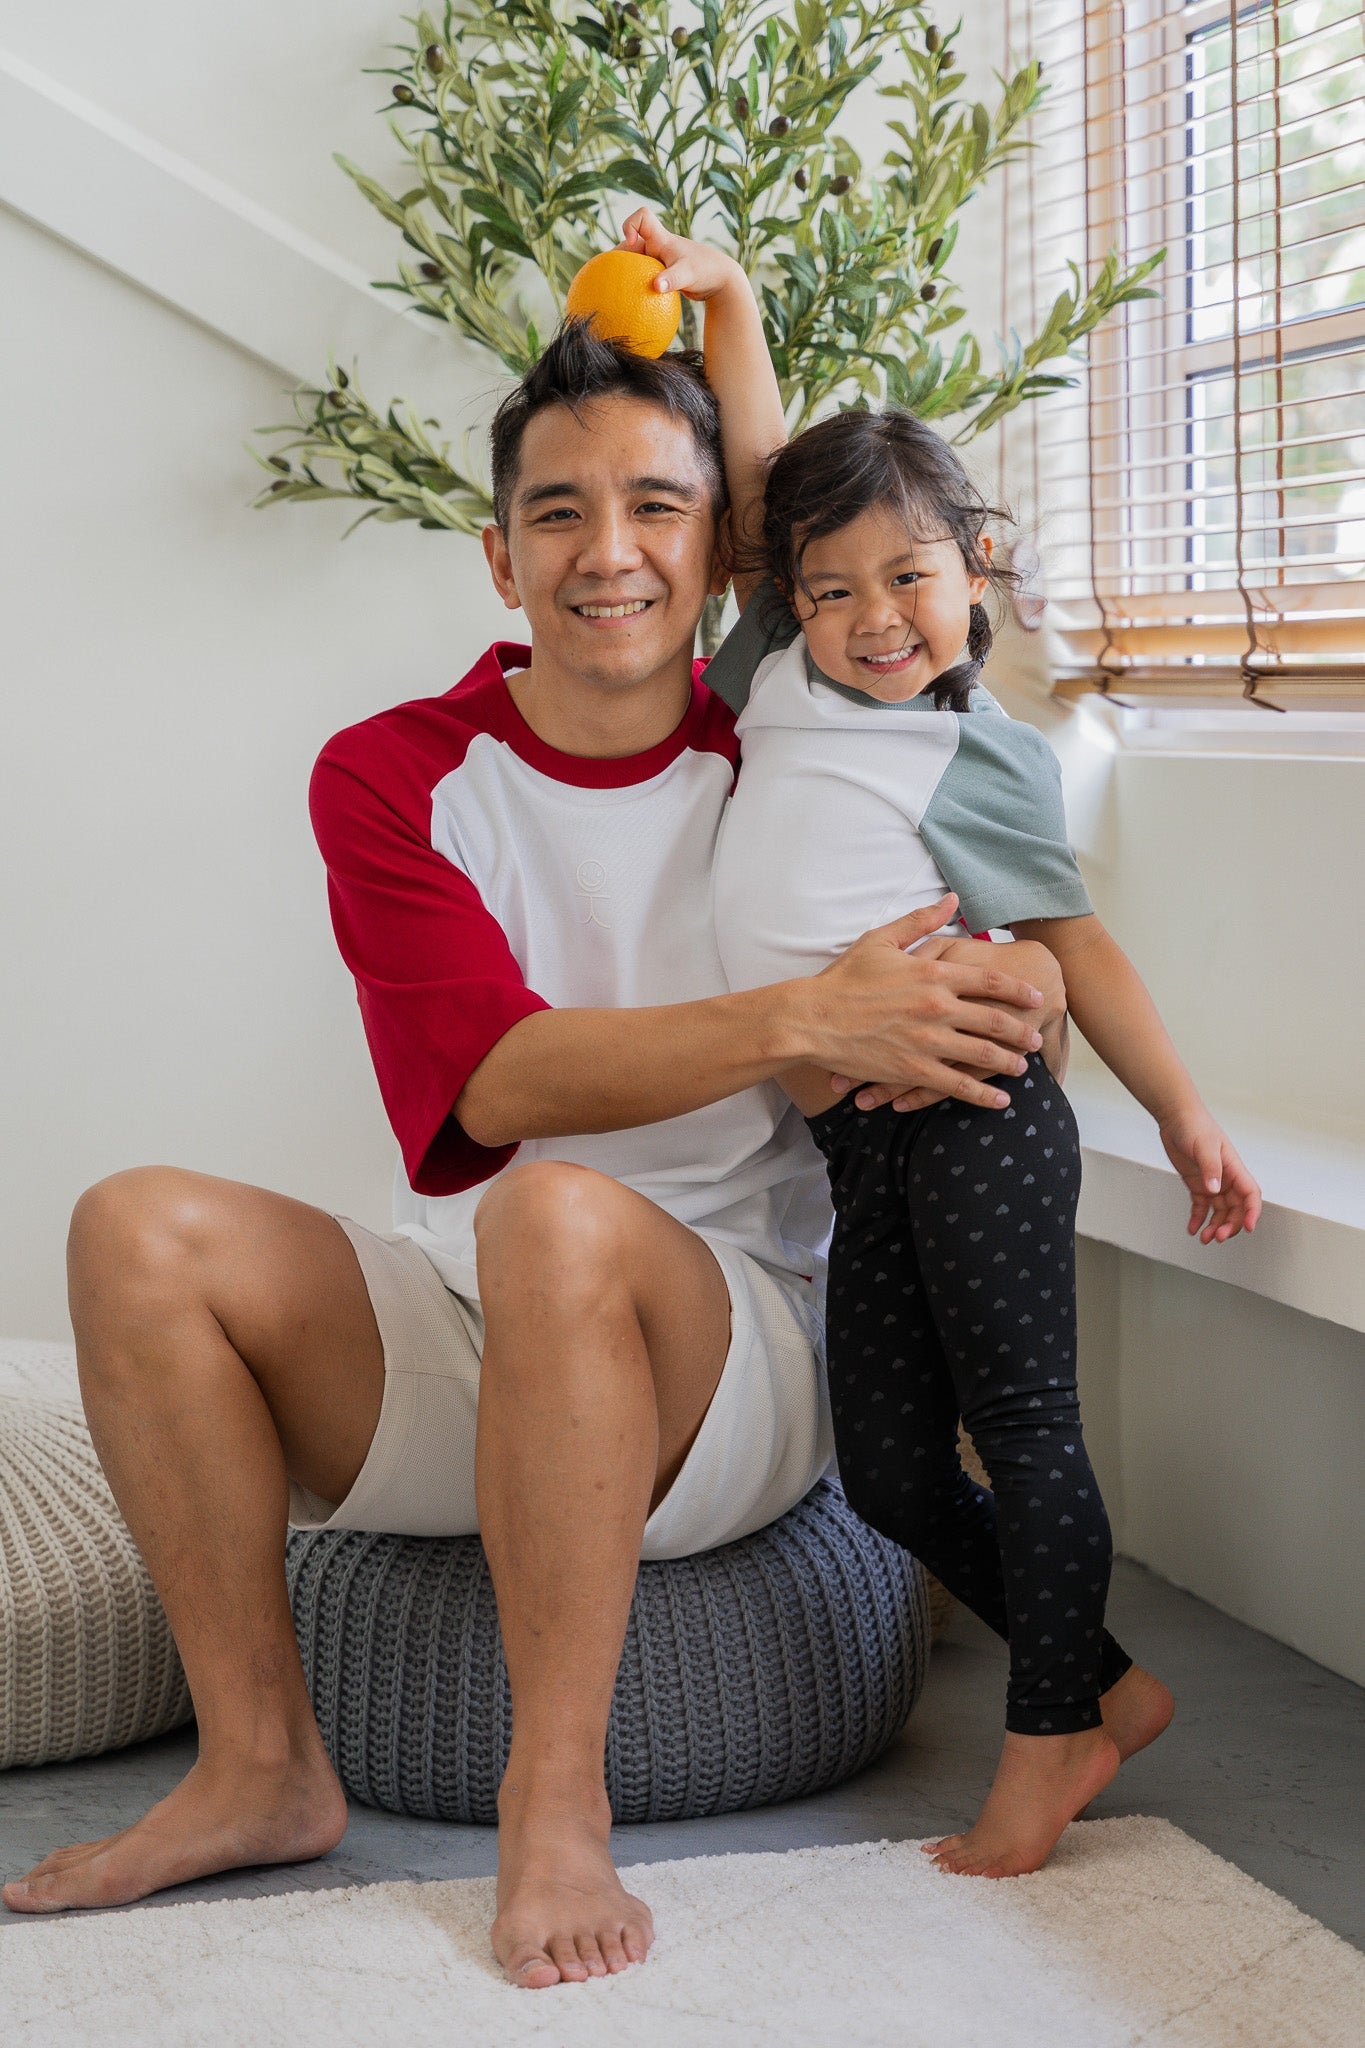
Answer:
(531, 126)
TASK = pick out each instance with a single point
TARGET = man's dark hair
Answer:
(859, 461)
(577, 366)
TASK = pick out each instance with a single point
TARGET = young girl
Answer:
(879, 777)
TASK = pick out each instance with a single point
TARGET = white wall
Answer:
(258, 94)
(172, 661)
(1228, 1434)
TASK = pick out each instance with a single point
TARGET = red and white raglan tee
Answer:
(477, 875)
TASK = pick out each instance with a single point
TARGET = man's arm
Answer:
(876, 1011)
(738, 368)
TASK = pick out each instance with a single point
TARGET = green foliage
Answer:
(390, 461)
(531, 126)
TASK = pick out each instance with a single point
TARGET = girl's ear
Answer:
(789, 593)
(976, 585)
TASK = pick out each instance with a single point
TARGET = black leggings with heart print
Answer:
(952, 1294)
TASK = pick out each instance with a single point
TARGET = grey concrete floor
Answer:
(1264, 1764)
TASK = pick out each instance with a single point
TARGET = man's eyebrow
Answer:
(535, 495)
(667, 486)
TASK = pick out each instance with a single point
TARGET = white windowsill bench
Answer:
(1308, 1250)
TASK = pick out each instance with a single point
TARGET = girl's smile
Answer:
(895, 663)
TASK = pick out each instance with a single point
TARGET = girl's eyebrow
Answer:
(825, 575)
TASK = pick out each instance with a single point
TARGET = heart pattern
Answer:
(1000, 1355)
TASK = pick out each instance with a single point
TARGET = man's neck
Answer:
(601, 720)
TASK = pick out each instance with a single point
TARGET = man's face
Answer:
(611, 541)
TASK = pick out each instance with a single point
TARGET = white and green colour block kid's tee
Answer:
(849, 812)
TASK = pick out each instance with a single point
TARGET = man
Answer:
(591, 1335)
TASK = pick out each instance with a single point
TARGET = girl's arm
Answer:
(1111, 1006)
(738, 367)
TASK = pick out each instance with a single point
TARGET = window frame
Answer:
(1221, 634)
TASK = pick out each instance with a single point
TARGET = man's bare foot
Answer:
(563, 1913)
(217, 1818)
(1041, 1783)
(1136, 1710)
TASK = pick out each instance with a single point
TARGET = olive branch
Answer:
(526, 124)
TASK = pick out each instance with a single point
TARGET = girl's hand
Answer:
(693, 268)
(1223, 1196)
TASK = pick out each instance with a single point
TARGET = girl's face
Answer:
(889, 614)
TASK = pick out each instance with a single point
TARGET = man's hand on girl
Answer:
(1224, 1198)
(937, 1024)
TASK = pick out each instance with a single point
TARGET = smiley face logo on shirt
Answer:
(591, 878)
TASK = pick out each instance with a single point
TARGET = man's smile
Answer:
(600, 614)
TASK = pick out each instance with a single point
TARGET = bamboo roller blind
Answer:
(1200, 498)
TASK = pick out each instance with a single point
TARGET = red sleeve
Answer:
(437, 983)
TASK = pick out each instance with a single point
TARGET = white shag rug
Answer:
(1134, 1934)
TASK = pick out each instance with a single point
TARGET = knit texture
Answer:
(87, 1662)
(761, 1671)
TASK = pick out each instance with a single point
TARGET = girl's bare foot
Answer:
(563, 1913)
(218, 1818)
(1136, 1711)
(1041, 1783)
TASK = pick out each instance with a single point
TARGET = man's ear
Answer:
(499, 562)
(722, 556)
(719, 576)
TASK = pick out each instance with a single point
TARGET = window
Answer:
(1201, 496)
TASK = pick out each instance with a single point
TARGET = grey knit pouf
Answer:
(87, 1662)
(762, 1671)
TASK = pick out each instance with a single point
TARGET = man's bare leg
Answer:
(225, 1337)
(607, 1329)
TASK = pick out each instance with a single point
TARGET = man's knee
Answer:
(557, 1242)
(559, 1224)
(137, 1228)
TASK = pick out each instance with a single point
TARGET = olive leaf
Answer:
(530, 127)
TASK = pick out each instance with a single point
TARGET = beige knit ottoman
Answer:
(87, 1662)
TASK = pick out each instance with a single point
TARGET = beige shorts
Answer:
(765, 1440)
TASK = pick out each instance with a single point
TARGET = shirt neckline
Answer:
(588, 771)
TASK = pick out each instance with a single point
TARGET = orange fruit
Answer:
(612, 290)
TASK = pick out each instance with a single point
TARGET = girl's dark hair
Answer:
(855, 462)
(577, 366)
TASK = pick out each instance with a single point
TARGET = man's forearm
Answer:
(566, 1073)
(876, 1011)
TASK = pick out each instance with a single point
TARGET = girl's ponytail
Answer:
(952, 690)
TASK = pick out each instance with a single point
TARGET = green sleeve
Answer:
(996, 826)
(765, 624)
